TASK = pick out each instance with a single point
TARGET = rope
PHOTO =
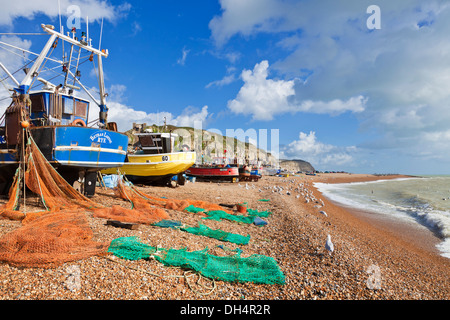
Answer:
(39, 184)
(187, 274)
(200, 277)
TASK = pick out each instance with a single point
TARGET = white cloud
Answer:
(263, 98)
(125, 115)
(181, 61)
(222, 82)
(319, 154)
(244, 17)
(94, 9)
(396, 79)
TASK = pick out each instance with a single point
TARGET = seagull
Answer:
(329, 245)
(324, 213)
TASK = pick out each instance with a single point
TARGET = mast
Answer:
(101, 86)
(26, 82)
(24, 86)
(100, 53)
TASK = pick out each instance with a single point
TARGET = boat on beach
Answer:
(249, 173)
(155, 161)
(56, 116)
(214, 172)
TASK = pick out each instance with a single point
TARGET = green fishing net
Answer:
(193, 209)
(219, 214)
(167, 224)
(255, 268)
(218, 234)
(130, 248)
(254, 212)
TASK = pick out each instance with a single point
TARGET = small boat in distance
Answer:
(249, 173)
(58, 117)
(155, 161)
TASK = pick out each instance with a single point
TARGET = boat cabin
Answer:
(155, 142)
(49, 108)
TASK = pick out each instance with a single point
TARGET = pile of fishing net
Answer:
(139, 198)
(141, 211)
(50, 240)
(255, 268)
(60, 232)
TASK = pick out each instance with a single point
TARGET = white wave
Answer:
(389, 201)
(444, 248)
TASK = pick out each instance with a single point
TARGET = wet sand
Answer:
(409, 232)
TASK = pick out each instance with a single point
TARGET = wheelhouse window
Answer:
(80, 109)
(68, 105)
(37, 103)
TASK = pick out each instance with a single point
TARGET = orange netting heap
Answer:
(60, 233)
(136, 196)
(141, 212)
(51, 240)
(56, 193)
(9, 209)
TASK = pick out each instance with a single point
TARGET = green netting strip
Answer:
(254, 212)
(219, 214)
(193, 209)
(218, 234)
(167, 224)
(130, 248)
(256, 268)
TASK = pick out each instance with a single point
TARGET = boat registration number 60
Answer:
(165, 158)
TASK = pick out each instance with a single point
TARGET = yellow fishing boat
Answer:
(153, 160)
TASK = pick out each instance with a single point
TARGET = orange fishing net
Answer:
(50, 240)
(55, 192)
(9, 209)
(138, 197)
(60, 232)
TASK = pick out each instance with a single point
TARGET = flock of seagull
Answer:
(301, 190)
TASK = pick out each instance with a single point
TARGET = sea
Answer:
(424, 201)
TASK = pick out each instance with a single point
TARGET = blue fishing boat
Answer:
(57, 117)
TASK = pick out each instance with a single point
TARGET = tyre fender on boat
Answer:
(78, 122)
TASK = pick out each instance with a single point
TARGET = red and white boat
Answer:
(214, 173)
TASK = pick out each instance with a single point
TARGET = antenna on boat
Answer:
(59, 12)
(87, 31)
(61, 30)
(101, 33)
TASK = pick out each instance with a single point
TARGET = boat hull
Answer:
(87, 148)
(154, 168)
(72, 150)
(214, 173)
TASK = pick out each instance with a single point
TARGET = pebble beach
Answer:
(372, 260)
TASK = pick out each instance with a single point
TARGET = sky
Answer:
(352, 85)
